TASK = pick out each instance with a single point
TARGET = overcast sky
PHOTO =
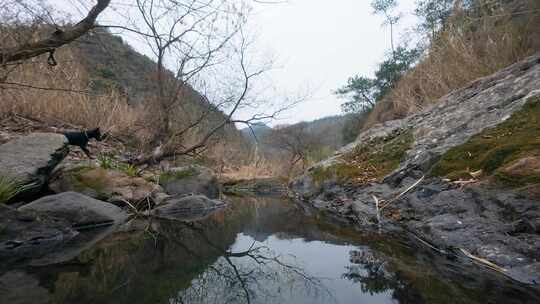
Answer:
(320, 44)
(316, 46)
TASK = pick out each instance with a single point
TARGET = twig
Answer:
(484, 261)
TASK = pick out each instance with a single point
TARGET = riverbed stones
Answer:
(187, 207)
(81, 211)
(30, 159)
(193, 179)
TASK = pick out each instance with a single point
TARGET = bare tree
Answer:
(296, 141)
(59, 37)
(191, 40)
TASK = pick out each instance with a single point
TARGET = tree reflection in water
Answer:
(257, 274)
(371, 272)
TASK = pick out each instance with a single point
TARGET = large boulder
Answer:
(462, 173)
(193, 179)
(30, 159)
(27, 235)
(103, 184)
(81, 211)
(187, 207)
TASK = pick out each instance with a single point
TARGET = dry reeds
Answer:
(467, 49)
(58, 95)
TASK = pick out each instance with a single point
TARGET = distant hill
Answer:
(113, 64)
(328, 130)
(258, 130)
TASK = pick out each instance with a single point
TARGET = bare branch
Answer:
(55, 40)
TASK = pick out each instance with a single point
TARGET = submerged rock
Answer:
(30, 159)
(187, 207)
(19, 287)
(28, 235)
(82, 212)
(192, 179)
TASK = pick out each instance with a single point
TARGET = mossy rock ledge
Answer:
(478, 151)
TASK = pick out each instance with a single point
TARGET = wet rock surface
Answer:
(82, 212)
(494, 223)
(192, 179)
(187, 207)
(30, 159)
(29, 235)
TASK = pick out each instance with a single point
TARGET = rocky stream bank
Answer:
(461, 177)
(56, 205)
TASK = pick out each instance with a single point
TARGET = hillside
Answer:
(112, 64)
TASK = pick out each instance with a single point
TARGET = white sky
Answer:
(321, 43)
(316, 46)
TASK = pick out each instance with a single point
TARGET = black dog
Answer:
(81, 138)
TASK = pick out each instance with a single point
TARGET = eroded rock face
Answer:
(82, 212)
(27, 235)
(102, 184)
(30, 159)
(495, 223)
(187, 207)
(192, 179)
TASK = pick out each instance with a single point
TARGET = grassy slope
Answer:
(498, 151)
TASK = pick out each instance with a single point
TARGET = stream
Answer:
(259, 250)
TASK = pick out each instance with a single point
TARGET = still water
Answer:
(259, 250)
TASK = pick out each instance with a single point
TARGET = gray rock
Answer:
(192, 179)
(187, 207)
(99, 183)
(30, 159)
(81, 211)
(27, 235)
(495, 224)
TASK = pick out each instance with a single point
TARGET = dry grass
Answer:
(71, 104)
(461, 55)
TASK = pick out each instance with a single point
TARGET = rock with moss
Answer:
(193, 179)
(30, 159)
(462, 174)
(104, 184)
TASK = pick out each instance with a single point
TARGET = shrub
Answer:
(9, 188)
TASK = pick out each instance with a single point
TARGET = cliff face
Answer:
(473, 160)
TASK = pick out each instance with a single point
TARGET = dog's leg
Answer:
(86, 151)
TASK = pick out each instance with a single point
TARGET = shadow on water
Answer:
(259, 250)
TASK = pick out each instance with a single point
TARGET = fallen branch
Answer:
(484, 261)
(404, 192)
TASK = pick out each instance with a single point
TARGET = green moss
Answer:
(170, 175)
(369, 161)
(495, 148)
(85, 177)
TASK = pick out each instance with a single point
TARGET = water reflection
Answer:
(260, 250)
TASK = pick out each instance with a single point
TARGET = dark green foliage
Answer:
(362, 92)
(433, 14)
